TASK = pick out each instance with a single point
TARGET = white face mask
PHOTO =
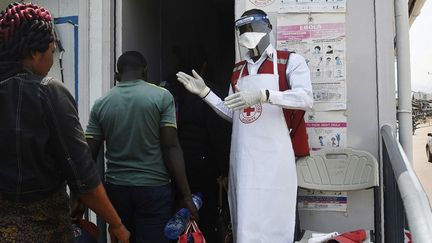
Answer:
(250, 39)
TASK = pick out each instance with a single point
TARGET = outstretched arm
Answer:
(218, 106)
(196, 85)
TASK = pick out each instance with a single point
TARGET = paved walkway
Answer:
(422, 167)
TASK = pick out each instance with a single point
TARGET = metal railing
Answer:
(403, 195)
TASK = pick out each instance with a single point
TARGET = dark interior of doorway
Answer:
(176, 35)
(198, 34)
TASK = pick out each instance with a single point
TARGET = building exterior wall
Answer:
(370, 101)
(362, 117)
(370, 88)
(95, 52)
(106, 28)
(65, 11)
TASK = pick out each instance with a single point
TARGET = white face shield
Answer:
(252, 33)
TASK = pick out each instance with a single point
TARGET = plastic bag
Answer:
(192, 234)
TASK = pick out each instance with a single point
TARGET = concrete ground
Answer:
(422, 167)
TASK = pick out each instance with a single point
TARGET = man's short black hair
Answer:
(131, 60)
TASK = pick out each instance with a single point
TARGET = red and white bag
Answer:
(192, 231)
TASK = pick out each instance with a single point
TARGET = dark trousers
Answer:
(144, 210)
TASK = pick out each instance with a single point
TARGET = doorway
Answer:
(167, 31)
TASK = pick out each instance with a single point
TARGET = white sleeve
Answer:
(218, 106)
(300, 96)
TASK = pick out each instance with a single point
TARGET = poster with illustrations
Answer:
(320, 39)
(329, 96)
(322, 200)
(326, 129)
(265, 5)
(295, 6)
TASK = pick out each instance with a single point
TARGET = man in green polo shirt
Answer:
(137, 121)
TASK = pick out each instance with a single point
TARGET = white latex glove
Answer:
(246, 98)
(193, 84)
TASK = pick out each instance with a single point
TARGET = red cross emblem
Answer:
(250, 114)
(248, 111)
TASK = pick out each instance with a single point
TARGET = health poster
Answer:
(265, 5)
(322, 201)
(317, 6)
(320, 39)
(326, 129)
(329, 96)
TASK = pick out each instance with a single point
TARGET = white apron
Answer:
(263, 179)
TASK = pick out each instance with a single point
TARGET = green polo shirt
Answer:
(128, 118)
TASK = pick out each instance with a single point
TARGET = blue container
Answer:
(178, 223)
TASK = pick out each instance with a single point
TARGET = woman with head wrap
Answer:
(42, 146)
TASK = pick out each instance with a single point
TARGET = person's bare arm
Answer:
(173, 159)
(74, 155)
(97, 200)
